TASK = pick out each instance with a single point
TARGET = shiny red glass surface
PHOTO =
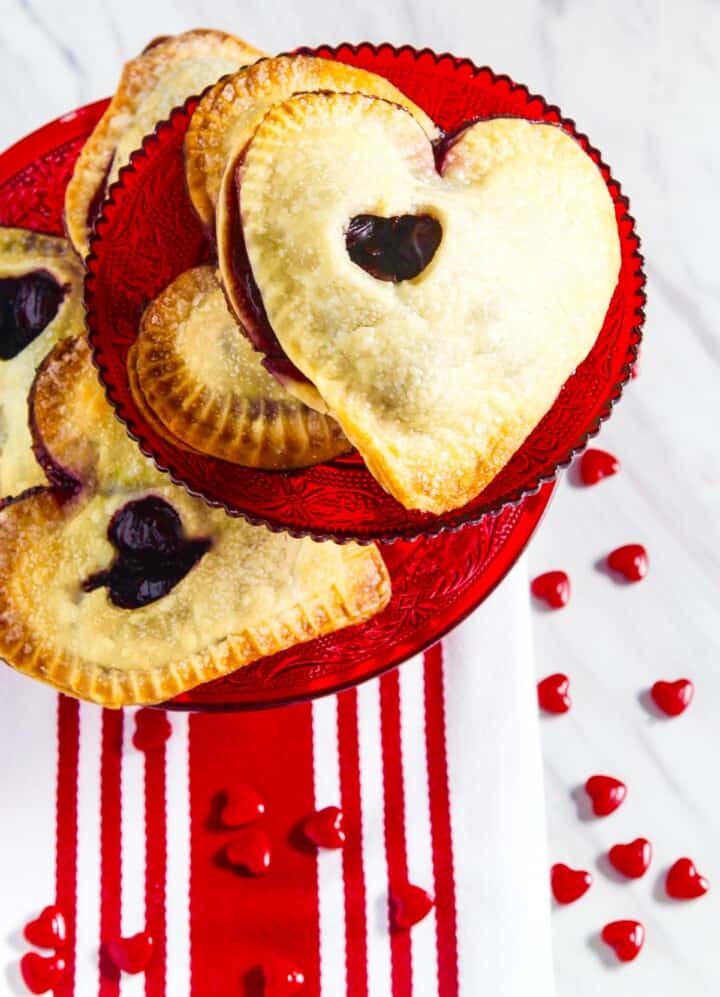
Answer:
(148, 233)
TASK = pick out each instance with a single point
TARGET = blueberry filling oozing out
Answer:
(28, 304)
(393, 249)
(153, 554)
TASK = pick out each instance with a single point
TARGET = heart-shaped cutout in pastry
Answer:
(438, 379)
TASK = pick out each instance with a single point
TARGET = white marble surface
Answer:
(641, 78)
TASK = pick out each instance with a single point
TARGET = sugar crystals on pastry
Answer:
(119, 587)
(436, 311)
(204, 387)
(162, 77)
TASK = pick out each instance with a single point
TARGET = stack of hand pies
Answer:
(115, 585)
(380, 286)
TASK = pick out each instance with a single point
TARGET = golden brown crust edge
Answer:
(275, 433)
(138, 76)
(367, 594)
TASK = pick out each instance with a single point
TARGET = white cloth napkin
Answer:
(438, 770)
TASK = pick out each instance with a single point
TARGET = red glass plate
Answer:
(148, 233)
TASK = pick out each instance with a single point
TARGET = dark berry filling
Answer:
(153, 554)
(394, 249)
(28, 304)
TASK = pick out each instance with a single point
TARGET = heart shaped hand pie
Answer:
(227, 115)
(118, 587)
(204, 387)
(438, 379)
(40, 303)
(163, 76)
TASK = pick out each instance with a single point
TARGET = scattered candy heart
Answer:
(281, 979)
(631, 561)
(409, 904)
(325, 828)
(684, 882)
(250, 851)
(606, 794)
(673, 698)
(632, 860)
(48, 930)
(568, 885)
(41, 972)
(152, 729)
(625, 937)
(131, 955)
(553, 588)
(553, 693)
(596, 465)
(243, 805)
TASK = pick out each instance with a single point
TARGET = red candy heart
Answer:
(281, 979)
(673, 698)
(631, 561)
(131, 955)
(409, 904)
(152, 729)
(632, 860)
(553, 693)
(625, 937)
(606, 794)
(41, 972)
(596, 465)
(48, 930)
(553, 588)
(243, 805)
(249, 851)
(325, 828)
(684, 882)
(567, 884)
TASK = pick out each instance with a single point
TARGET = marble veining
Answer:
(641, 78)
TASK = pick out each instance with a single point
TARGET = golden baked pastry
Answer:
(40, 303)
(220, 128)
(162, 77)
(77, 436)
(121, 593)
(437, 314)
(228, 114)
(134, 597)
(206, 387)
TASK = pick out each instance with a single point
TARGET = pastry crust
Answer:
(206, 386)
(77, 435)
(439, 379)
(227, 115)
(23, 252)
(253, 593)
(163, 76)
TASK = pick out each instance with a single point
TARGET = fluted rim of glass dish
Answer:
(447, 522)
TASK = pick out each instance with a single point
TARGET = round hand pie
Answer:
(227, 115)
(163, 76)
(121, 594)
(205, 387)
(437, 311)
(40, 303)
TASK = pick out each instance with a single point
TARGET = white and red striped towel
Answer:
(436, 767)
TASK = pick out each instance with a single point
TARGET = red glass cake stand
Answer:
(147, 234)
(437, 580)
